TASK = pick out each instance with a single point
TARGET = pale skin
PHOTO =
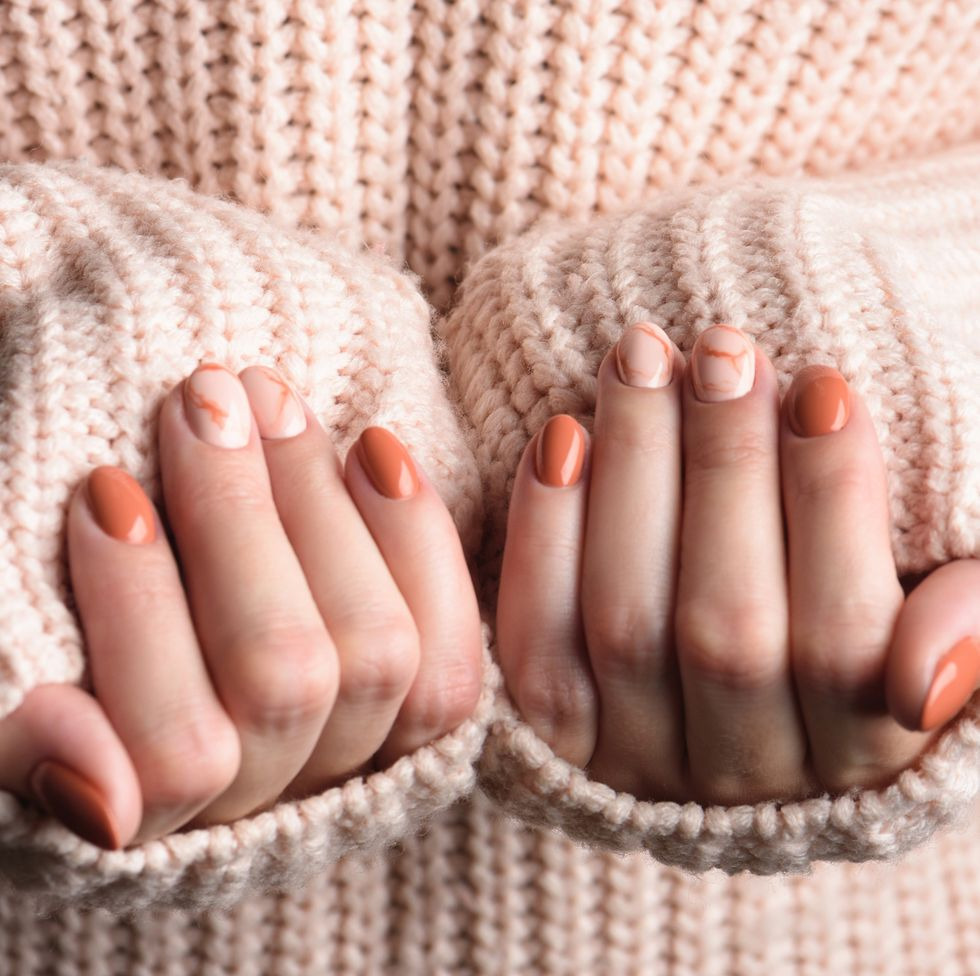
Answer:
(664, 635)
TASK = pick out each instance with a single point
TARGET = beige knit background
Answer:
(435, 128)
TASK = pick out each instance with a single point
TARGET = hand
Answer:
(323, 626)
(658, 624)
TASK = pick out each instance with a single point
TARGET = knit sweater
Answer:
(193, 182)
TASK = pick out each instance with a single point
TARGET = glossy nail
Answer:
(278, 411)
(387, 463)
(120, 507)
(72, 799)
(820, 401)
(953, 685)
(217, 406)
(722, 364)
(560, 452)
(644, 356)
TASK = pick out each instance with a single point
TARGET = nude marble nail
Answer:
(277, 409)
(722, 364)
(217, 406)
(644, 357)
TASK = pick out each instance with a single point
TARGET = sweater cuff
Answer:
(875, 275)
(115, 287)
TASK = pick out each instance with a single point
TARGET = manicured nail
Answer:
(217, 406)
(560, 452)
(820, 401)
(644, 356)
(72, 799)
(722, 364)
(953, 685)
(278, 411)
(119, 505)
(387, 463)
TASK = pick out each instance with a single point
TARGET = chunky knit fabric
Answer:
(433, 131)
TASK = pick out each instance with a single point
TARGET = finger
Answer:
(934, 660)
(374, 628)
(146, 665)
(629, 572)
(744, 735)
(540, 639)
(844, 590)
(418, 539)
(85, 772)
(270, 657)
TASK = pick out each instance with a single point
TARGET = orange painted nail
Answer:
(561, 451)
(953, 685)
(73, 800)
(387, 463)
(119, 505)
(820, 401)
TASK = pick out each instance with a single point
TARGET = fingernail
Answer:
(820, 401)
(278, 411)
(722, 364)
(120, 507)
(644, 356)
(217, 406)
(72, 799)
(387, 463)
(560, 452)
(953, 684)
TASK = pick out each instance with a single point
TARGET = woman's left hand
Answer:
(699, 602)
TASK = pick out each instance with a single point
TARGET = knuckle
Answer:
(848, 655)
(752, 448)
(380, 661)
(437, 710)
(561, 699)
(738, 647)
(844, 480)
(626, 640)
(196, 758)
(638, 435)
(284, 676)
(227, 487)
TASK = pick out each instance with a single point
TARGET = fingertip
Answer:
(934, 660)
(59, 750)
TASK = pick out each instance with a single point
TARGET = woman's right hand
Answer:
(316, 625)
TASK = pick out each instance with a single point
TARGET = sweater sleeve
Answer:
(877, 274)
(113, 287)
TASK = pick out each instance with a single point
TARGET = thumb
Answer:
(89, 784)
(934, 661)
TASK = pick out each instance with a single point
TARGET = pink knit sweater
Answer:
(197, 180)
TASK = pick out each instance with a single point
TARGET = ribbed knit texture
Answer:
(434, 130)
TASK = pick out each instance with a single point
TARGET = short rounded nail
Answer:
(820, 401)
(722, 364)
(277, 409)
(387, 463)
(120, 507)
(953, 683)
(217, 406)
(644, 356)
(560, 452)
(71, 798)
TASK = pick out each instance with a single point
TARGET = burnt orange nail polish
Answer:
(387, 463)
(953, 685)
(820, 401)
(73, 800)
(561, 452)
(119, 505)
